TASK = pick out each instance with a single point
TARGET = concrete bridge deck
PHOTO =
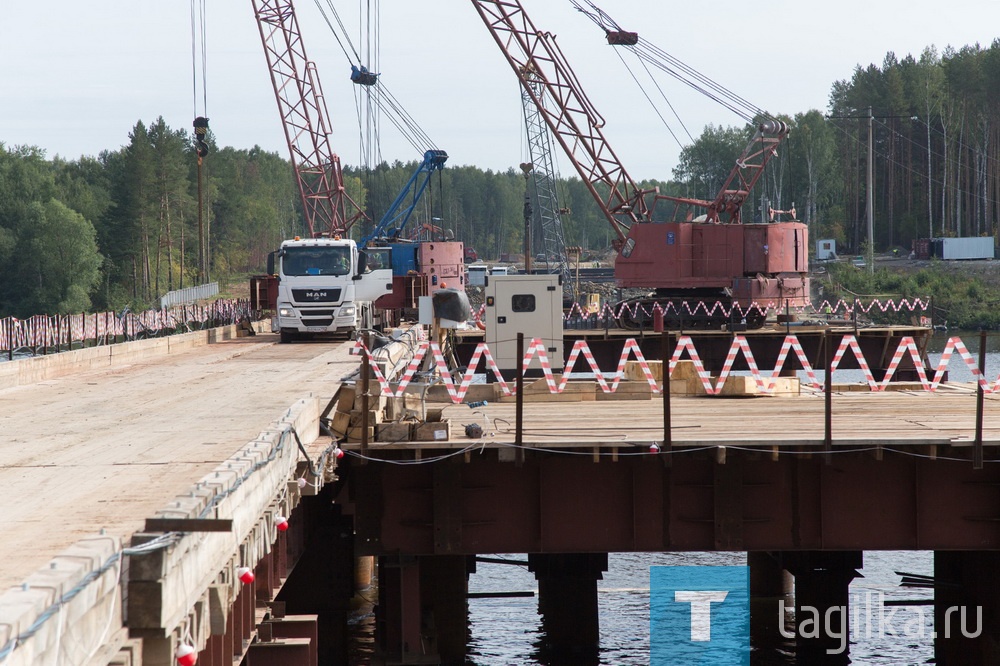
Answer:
(102, 439)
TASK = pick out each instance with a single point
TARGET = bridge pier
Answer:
(423, 609)
(770, 592)
(398, 612)
(822, 604)
(322, 582)
(966, 608)
(567, 602)
(444, 589)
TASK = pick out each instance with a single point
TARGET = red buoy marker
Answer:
(186, 656)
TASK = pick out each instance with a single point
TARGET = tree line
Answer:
(124, 227)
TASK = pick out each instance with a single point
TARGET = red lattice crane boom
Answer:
(541, 67)
(697, 262)
(329, 210)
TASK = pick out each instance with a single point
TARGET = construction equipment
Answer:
(391, 226)
(325, 283)
(420, 265)
(693, 263)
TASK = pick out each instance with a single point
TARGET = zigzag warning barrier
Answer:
(442, 374)
(608, 313)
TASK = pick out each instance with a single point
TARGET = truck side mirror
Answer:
(270, 263)
(362, 261)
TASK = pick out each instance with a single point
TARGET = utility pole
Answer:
(870, 201)
(870, 183)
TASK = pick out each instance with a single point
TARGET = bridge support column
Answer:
(822, 604)
(444, 588)
(966, 608)
(770, 593)
(567, 601)
(322, 581)
(398, 610)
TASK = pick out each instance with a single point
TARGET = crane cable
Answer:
(382, 98)
(657, 57)
(199, 38)
(199, 41)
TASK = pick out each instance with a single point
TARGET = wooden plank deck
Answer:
(860, 418)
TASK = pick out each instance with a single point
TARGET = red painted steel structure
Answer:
(554, 503)
(571, 117)
(753, 262)
(329, 210)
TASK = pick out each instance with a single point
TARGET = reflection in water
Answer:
(361, 625)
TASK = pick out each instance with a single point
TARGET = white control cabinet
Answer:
(529, 304)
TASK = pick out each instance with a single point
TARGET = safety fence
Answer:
(610, 314)
(685, 346)
(188, 295)
(44, 334)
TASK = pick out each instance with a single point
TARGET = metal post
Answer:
(977, 448)
(10, 338)
(365, 368)
(828, 396)
(519, 402)
(665, 371)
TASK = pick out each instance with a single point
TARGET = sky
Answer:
(78, 76)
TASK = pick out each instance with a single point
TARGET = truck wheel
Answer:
(286, 336)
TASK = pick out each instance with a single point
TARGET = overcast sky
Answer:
(78, 75)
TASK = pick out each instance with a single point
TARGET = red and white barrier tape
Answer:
(685, 345)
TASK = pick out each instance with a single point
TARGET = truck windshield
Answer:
(316, 261)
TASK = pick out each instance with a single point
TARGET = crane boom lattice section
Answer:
(327, 207)
(575, 124)
(545, 178)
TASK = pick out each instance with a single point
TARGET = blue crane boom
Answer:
(392, 223)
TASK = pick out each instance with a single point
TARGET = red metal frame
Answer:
(328, 209)
(571, 117)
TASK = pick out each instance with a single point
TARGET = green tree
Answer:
(57, 259)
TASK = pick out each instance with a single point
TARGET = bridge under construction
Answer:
(218, 495)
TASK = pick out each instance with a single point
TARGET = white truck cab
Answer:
(327, 285)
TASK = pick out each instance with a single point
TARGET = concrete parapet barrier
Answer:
(41, 368)
(166, 585)
(67, 612)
